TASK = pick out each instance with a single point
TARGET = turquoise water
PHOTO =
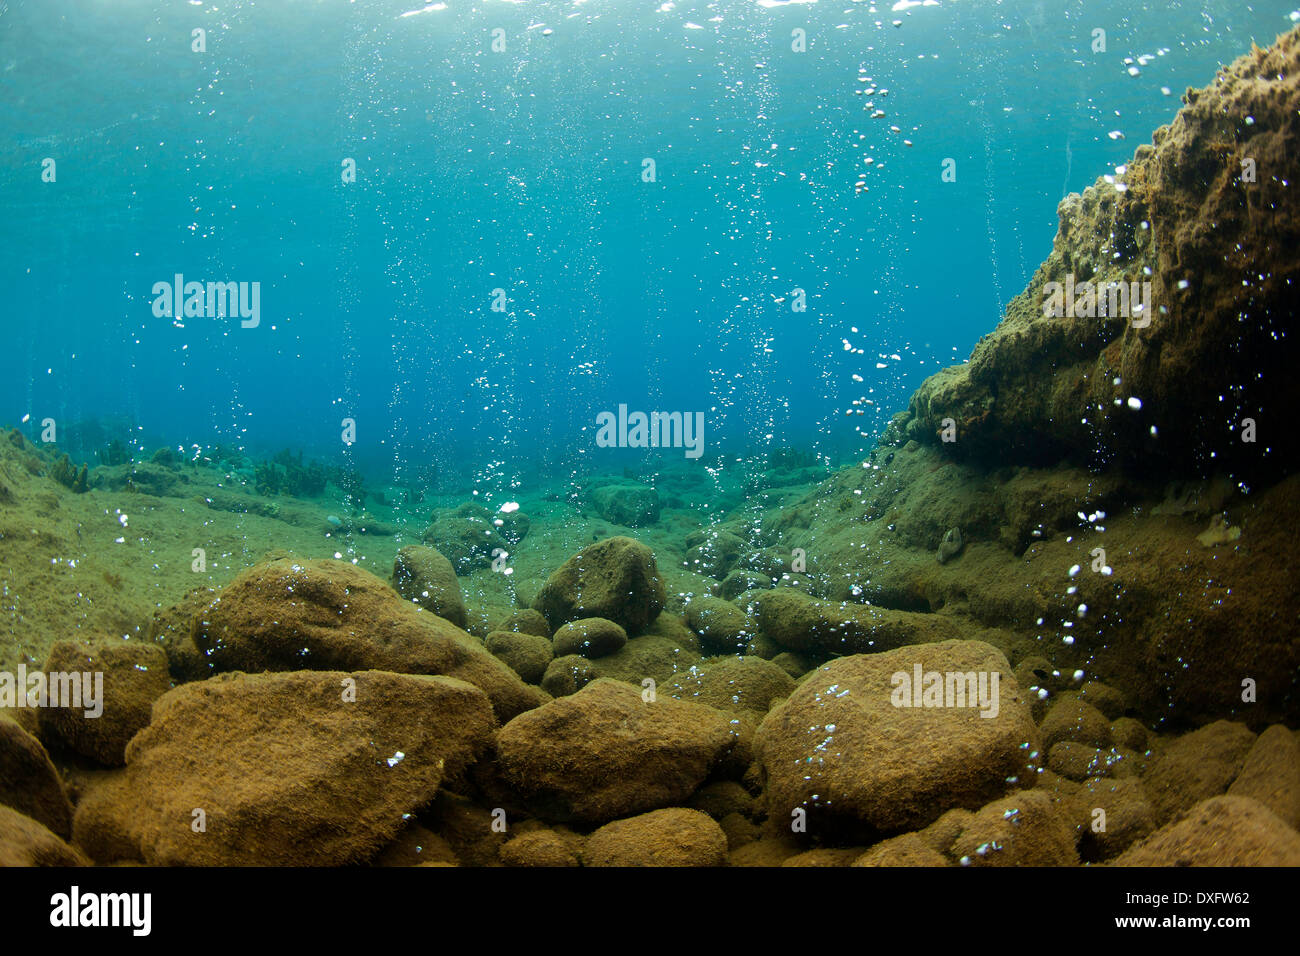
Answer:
(523, 170)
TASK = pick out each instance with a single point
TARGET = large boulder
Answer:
(616, 579)
(288, 615)
(304, 769)
(423, 575)
(861, 761)
(605, 752)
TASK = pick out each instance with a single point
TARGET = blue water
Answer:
(522, 170)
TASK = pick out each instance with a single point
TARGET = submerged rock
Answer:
(423, 575)
(26, 842)
(616, 579)
(134, 676)
(591, 637)
(526, 654)
(720, 625)
(674, 837)
(605, 752)
(800, 623)
(1197, 766)
(285, 769)
(470, 536)
(1271, 774)
(633, 506)
(1137, 386)
(1023, 829)
(858, 765)
(288, 615)
(1221, 831)
(29, 783)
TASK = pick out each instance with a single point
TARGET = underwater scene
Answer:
(700, 433)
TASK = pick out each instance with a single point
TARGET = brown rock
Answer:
(906, 850)
(285, 769)
(604, 752)
(673, 837)
(1110, 816)
(616, 579)
(134, 675)
(801, 623)
(1072, 718)
(1196, 766)
(528, 655)
(1221, 831)
(1271, 774)
(590, 637)
(289, 615)
(29, 783)
(539, 848)
(840, 749)
(733, 684)
(1023, 829)
(421, 574)
(25, 842)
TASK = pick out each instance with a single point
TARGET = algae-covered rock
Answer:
(26, 842)
(605, 752)
(29, 783)
(801, 623)
(1071, 718)
(1271, 774)
(422, 575)
(733, 684)
(471, 536)
(721, 626)
(130, 676)
(1221, 831)
(616, 579)
(528, 655)
(905, 850)
(539, 848)
(842, 751)
(591, 637)
(631, 505)
(1043, 387)
(1023, 829)
(568, 675)
(673, 837)
(1111, 815)
(286, 615)
(1197, 766)
(303, 769)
